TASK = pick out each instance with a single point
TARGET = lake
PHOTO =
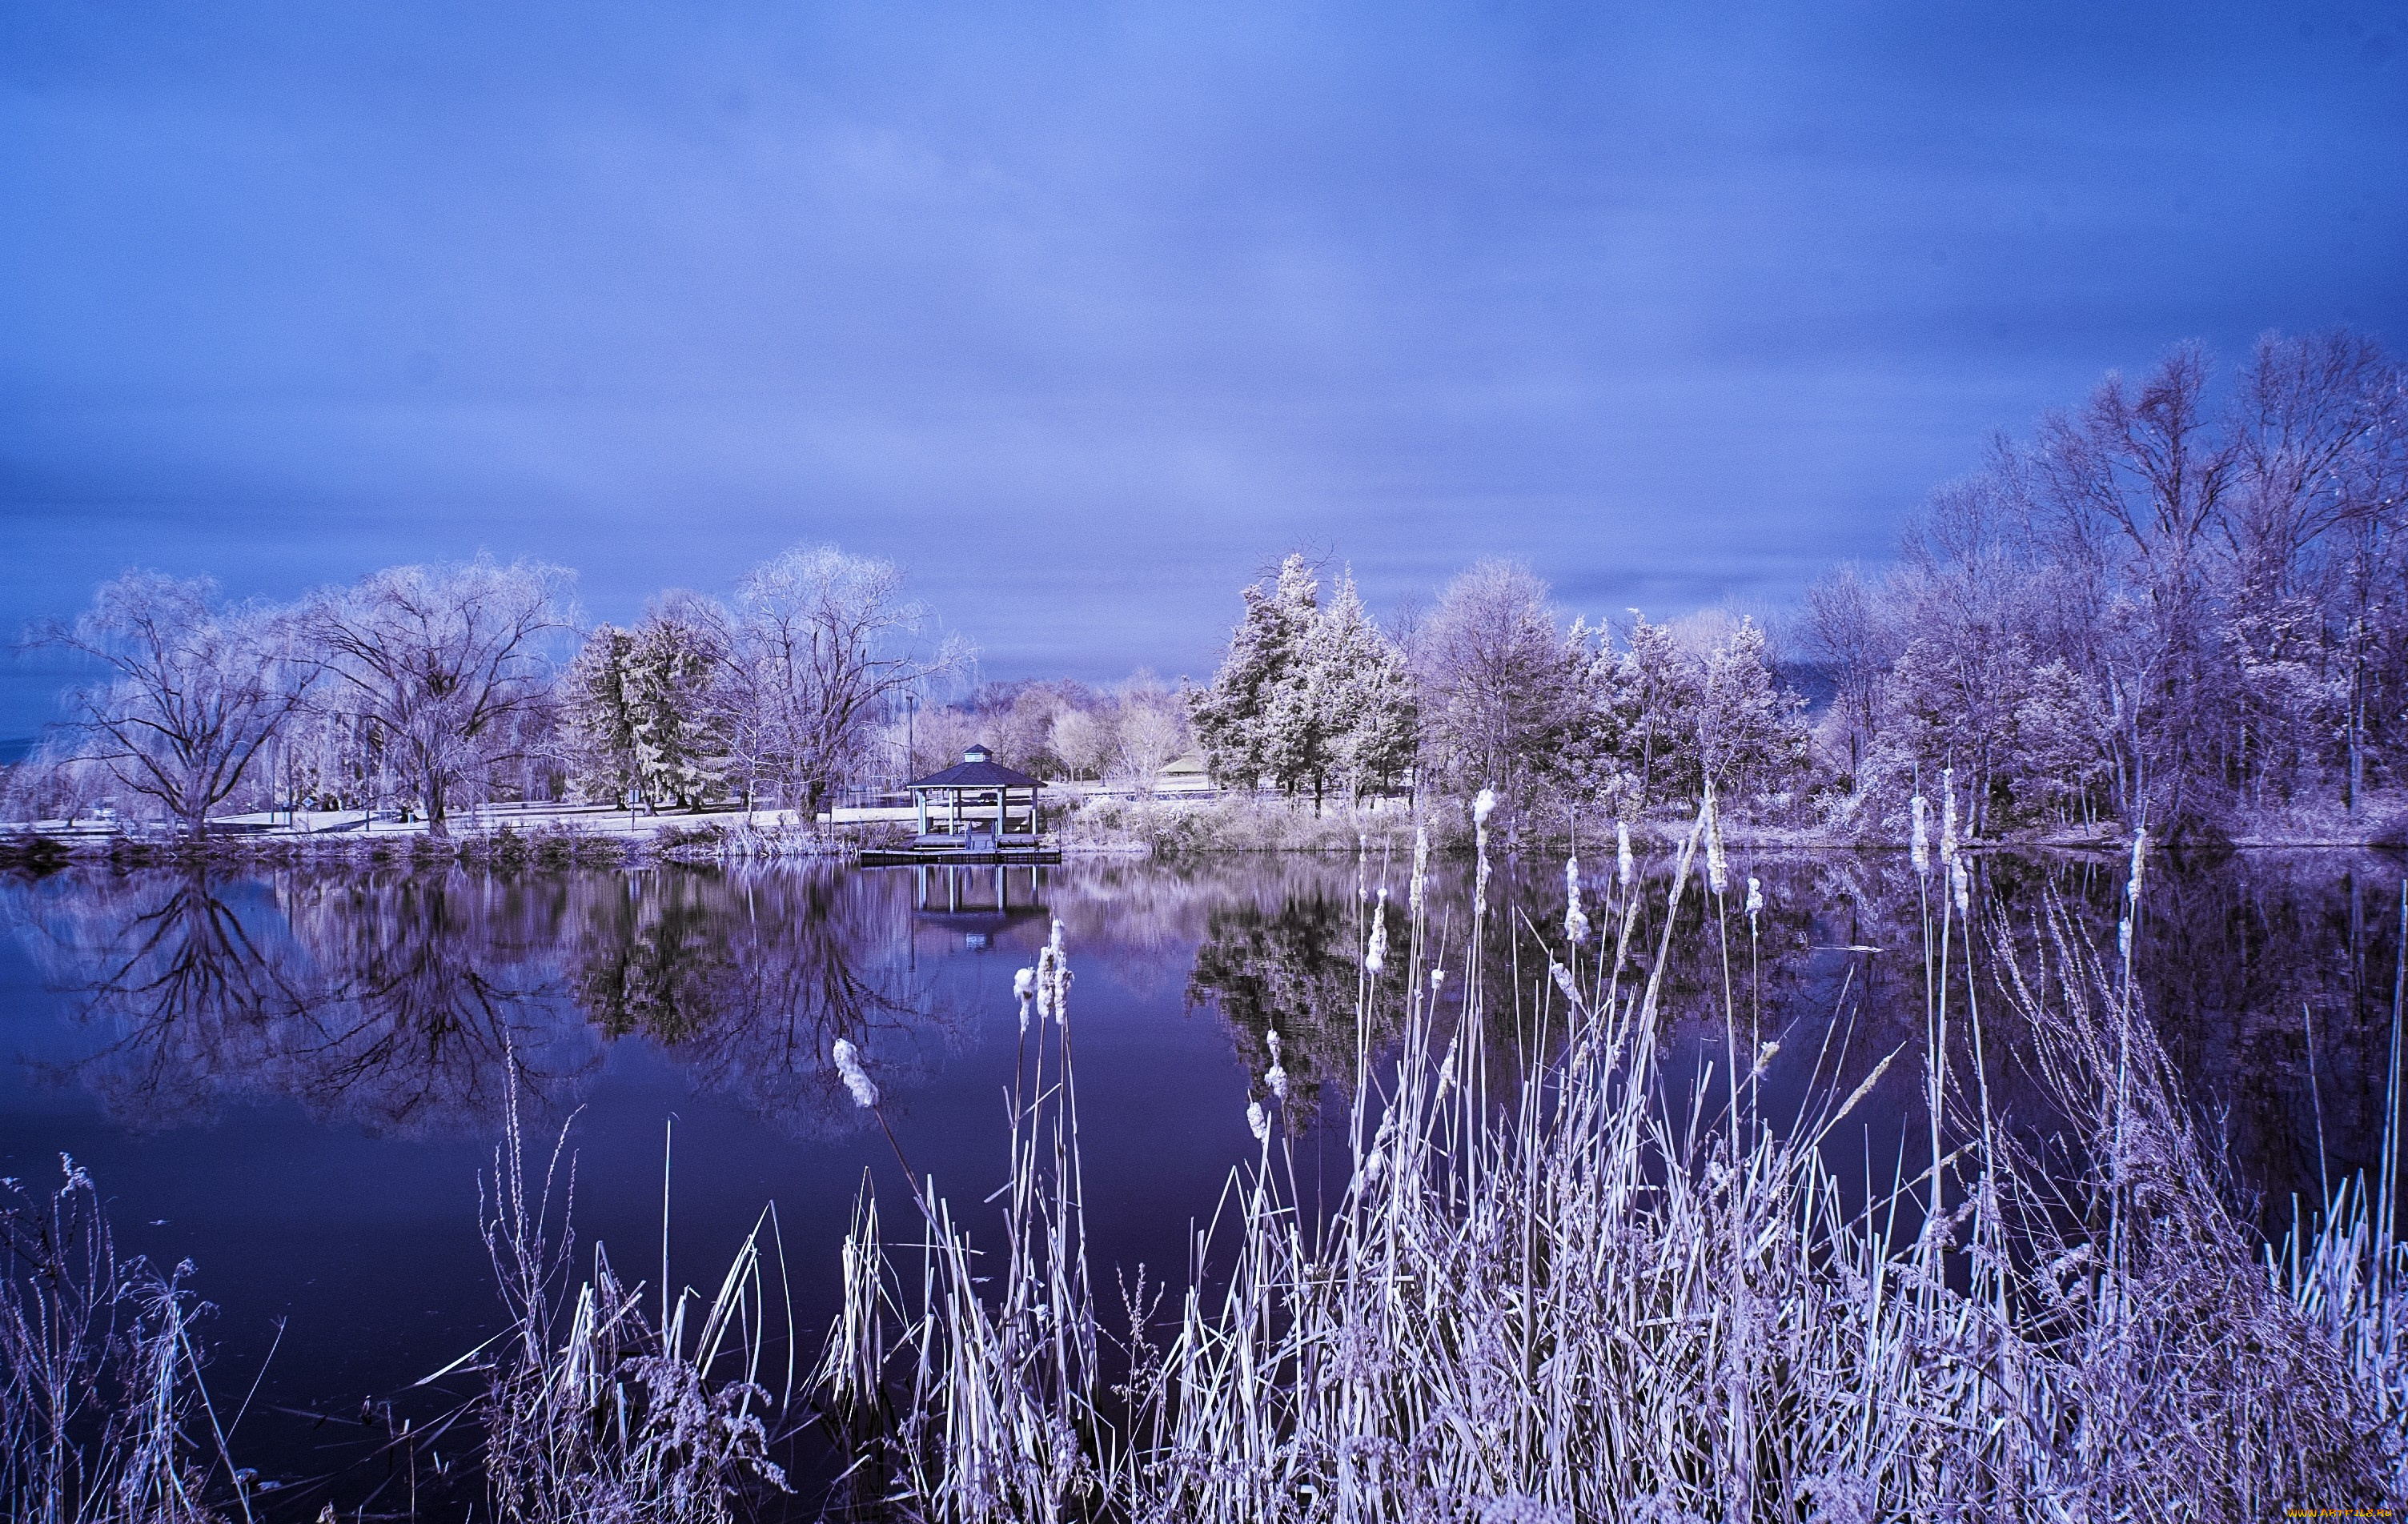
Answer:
(293, 1078)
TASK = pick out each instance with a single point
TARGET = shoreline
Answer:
(704, 840)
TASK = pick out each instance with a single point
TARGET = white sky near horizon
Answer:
(1086, 312)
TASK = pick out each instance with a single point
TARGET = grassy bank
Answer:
(509, 844)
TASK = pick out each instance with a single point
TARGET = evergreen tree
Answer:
(670, 679)
(1655, 696)
(1360, 712)
(1591, 762)
(1251, 723)
(1751, 733)
(599, 721)
(2056, 763)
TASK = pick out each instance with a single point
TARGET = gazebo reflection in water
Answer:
(978, 902)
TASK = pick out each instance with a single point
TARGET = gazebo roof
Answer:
(976, 770)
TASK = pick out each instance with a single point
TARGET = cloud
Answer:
(1081, 311)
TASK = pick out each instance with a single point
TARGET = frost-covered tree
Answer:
(1083, 741)
(1751, 731)
(1655, 700)
(56, 780)
(1308, 695)
(1361, 694)
(1254, 722)
(1147, 739)
(1847, 632)
(598, 720)
(1592, 768)
(441, 670)
(823, 647)
(1679, 706)
(192, 689)
(1498, 701)
(2055, 762)
(2180, 600)
(675, 687)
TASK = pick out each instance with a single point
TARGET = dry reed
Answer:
(1606, 1297)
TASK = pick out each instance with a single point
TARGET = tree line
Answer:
(2178, 604)
(1493, 690)
(2183, 603)
(432, 688)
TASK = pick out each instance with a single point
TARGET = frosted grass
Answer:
(1606, 1297)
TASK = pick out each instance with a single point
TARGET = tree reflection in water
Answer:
(394, 1003)
(2241, 960)
(749, 979)
(1295, 967)
(398, 1002)
(2237, 957)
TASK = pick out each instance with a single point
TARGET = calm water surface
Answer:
(294, 1077)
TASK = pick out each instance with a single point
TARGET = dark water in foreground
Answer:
(294, 1077)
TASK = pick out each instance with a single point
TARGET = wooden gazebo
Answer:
(977, 810)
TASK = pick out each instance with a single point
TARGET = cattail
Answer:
(1960, 886)
(1438, 977)
(1276, 1077)
(1921, 841)
(1717, 867)
(1258, 1122)
(1564, 982)
(1023, 985)
(856, 1079)
(1575, 918)
(1376, 1163)
(1375, 956)
(1420, 869)
(1053, 979)
(1754, 903)
(2124, 938)
(1624, 868)
(1483, 805)
(2140, 856)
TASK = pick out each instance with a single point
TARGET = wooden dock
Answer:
(989, 854)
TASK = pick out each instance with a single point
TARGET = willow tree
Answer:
(193, 689)
(443, 669)
(821, 646)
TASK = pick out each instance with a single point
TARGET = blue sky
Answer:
(1085, 312)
